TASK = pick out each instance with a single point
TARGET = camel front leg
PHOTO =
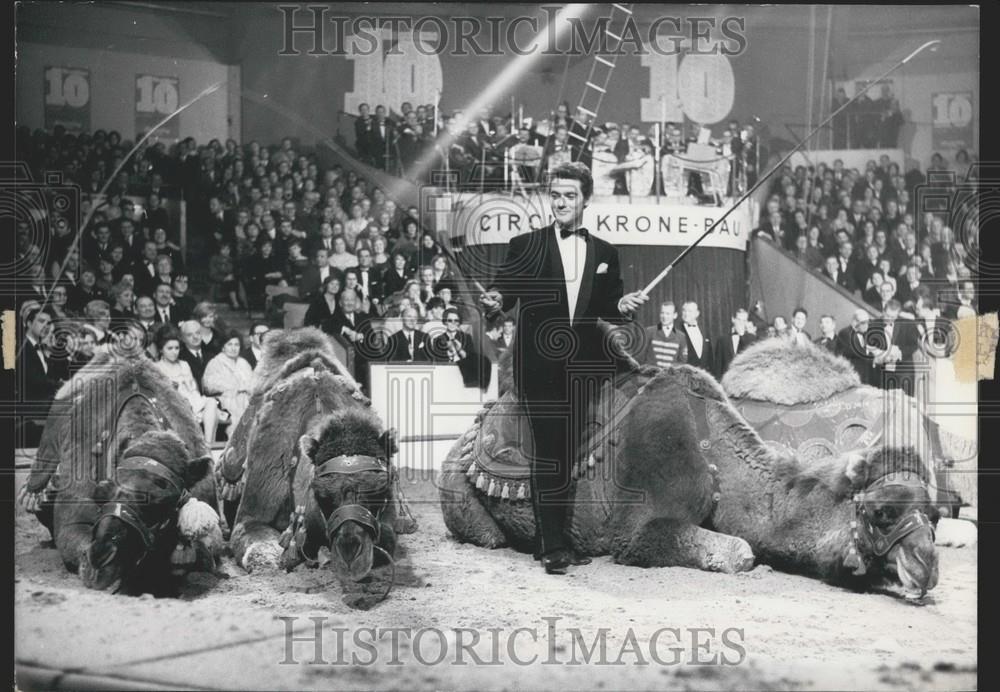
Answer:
(673, 543)
(255, 546)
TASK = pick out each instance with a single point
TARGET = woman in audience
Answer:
(412, 291)
(409, 243)
(427, 251)
(106, 276)
(395, 277)
(229, 377)
(443, 275)
(323, 307)
(165, 247)
(98, 316)
(426, 283)
(380, 256)
(124, 305)
(340, 258)
(58, 299)
(205, 408)
(211, 338)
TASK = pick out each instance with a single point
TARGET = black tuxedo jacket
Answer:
(197, 364)
(707, 359)
(399, 350)
(724, 352)
(35, 385)
(532, 276)
(904, 335)
(310, 284)
(374, 281)
(851, 345)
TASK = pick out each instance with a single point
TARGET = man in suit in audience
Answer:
(193, 351)
(736, 341)
(505, 339)
(699, 347)
(255, 351)
(409, 344)
(828, 338)
(832, 271)
(314, 276)
(352, 326)
(893, 340)
(852, 345)
(797, 333)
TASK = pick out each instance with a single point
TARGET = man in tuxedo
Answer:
(130, 239)
(144, 271)
(369, 283)
(145, 312)
(852, 345)
(314, 276)
(886, 293)
(566, 280)
(893, 340)
(99, 246)
(699, 346)
(831, 270)
(664, 344)
(409, 344)
(192, 350)
(828, 336)
(505, 339)
(255, 351)
(736, 341)
(183, 304)
(36, 377)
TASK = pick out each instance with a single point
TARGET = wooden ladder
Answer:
(601, 70)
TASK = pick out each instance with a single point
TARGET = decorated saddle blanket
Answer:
(499, 445)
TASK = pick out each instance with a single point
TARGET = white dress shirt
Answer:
(573, 251)
(697, 340)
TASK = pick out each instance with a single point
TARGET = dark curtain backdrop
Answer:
(714, 278)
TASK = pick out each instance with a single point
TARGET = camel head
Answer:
(139, 509)
(351, 485)
(896, 517)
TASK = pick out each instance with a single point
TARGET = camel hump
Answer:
(780, 372)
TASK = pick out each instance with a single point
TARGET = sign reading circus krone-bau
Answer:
(493, 219)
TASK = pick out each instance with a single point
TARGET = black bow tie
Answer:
(565, 232)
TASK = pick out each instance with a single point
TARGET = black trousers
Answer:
(558, 426)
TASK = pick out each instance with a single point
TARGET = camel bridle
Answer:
(349, 464)
(868, 541)
(126, 512)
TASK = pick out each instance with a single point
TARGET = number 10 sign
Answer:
(155, 99)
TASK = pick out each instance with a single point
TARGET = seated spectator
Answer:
(192, 351)
(379, 254)
(314, 276)
(264, 270)
(253, 353)
(444, 277)
(229, 377)
(828, 333)
(99, 317)
(870, 291)
(124, 299)
(211, 338)
(340, 258)
(222, 274)
(353, 327)
(395, 277)
(410, 344)
(412, 291)
(166, 313)
(164, 271)
(145, 312)
(105, 277)
(780, 327)
(130, 340)
(455, 346)
(179, 372)
(906, 290)
(409, 243)
(505, 339)
(426, 275)
(324, 305)
(165, 247)
(58, 304)
(797, 333)
(427, 251)
(297, 262)
(83, 351)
